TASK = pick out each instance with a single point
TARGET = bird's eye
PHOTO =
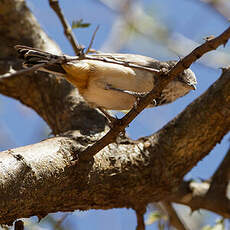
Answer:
(161, 101)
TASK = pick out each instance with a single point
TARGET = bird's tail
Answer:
(32, 56)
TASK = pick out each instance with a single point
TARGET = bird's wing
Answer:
(136, 60)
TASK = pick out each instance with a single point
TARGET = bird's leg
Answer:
(135, 94)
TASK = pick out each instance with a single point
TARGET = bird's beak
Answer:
(193, 87)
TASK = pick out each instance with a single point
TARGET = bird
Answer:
(112, 81)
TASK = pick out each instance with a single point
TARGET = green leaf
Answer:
(79, 24)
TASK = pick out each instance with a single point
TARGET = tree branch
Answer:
(174, 219)
(27, 70)
(43, 177)
(159, 32)
(53, 98)
(54, 4)
(221, 178)
(195, 195)
(183, 64)
(202, 195)
(113, 59)
(46, 177)
(92, 40)
(19, 225)
(140, 218)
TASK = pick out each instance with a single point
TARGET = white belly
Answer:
(128, 79)
(109, 99)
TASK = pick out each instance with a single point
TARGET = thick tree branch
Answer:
(211, 196)
(221, 178)
(49, 177)
(24, 31)
(42, 178)
(54, 99)
(62, 107)
(195, 195)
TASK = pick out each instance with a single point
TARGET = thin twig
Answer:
(59, 222)
(174, 219)
(183, 64)
(92, 40)
(120, 125)
(140, 219)
(64, 59)
(54, 4)
(22, 71)
(30, 69)
(112, 59)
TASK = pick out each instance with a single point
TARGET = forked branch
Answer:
(183, 64)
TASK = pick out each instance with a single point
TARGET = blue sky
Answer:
(190, 18)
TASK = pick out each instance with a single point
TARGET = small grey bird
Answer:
(110, 85)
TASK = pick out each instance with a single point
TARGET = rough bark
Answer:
(211, 195)
(54, 99)
(18, 25)
(48, 177)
